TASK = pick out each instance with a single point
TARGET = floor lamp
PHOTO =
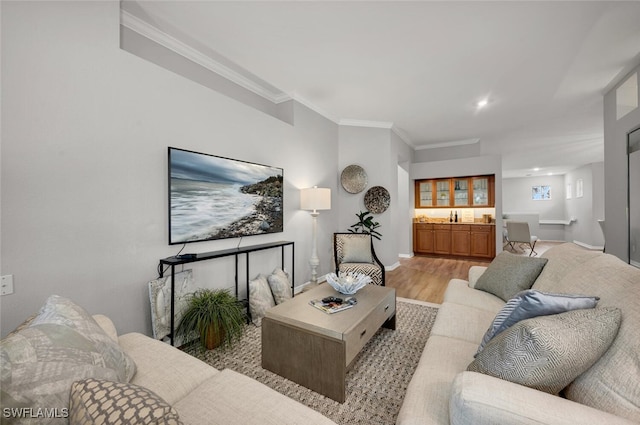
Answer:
(314, 199)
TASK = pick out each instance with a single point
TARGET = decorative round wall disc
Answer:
(353, 179)
(377, 199)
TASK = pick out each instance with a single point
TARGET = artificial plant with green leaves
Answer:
(366, 225)
(213, 315)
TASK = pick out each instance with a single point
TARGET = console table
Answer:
(172, 262)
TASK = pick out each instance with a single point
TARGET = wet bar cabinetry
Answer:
(473, 191)
(455, 239)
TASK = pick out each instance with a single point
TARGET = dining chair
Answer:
(518, 233)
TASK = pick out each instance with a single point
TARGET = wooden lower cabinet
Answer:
(442, 239)
(462, 240)
(423, 238)
(483, 241)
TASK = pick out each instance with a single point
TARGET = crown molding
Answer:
(147, 30)
(404, 136)
(315, 109)
(134, 23)
(449, 144)
(365, 123)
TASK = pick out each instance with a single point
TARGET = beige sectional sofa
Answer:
(204, 395)
(59, 366)
(442, 391)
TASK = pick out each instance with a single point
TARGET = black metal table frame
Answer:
(174, 261)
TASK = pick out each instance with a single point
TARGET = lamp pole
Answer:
(314, 261)
(314, 199)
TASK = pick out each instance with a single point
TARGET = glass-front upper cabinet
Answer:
(424, 193)
(477, 191)
(461, 192)
(443, 193)
(480, 191)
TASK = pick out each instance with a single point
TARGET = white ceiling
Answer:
(422, 65)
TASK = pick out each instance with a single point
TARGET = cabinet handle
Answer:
(362, 333)
(386, 307)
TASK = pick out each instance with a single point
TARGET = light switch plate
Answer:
(6, 286)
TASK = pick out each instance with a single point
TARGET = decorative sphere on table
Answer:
(348, 283)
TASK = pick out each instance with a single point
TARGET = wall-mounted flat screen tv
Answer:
(211, 197)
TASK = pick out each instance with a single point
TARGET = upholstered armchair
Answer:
(353, 252)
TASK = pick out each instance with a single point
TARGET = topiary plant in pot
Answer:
(213, 315)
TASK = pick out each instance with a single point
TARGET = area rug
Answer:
(375, 385)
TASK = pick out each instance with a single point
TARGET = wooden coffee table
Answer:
(315, 349)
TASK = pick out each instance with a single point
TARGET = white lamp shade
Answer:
(315, 198)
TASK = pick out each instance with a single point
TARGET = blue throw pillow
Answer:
(533, 303)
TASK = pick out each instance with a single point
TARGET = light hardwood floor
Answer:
(425, 278)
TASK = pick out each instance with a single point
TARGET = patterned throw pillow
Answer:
(96, 401)
(61, 345)
(548, 352)
(260, 298)
(357, 250)
(534, 303)
(280, 285)
(509, 274)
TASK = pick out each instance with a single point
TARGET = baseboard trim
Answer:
(298, 289)
(392, 267)
(591, 247)
(406, 255)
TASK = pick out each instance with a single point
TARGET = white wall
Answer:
(516, 193)
(405, 216)
(405, 156)
(85, 130)
(616, 172)
(589, 208)
(370, 148)
(383, 155)
(447, 153)
(586, 210)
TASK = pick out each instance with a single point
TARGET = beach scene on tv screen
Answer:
(215, 198)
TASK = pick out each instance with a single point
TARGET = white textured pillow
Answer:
(357, 250)
(62, 344)
(548, 352)
(260, 298)
(280, 285)
(534, 303)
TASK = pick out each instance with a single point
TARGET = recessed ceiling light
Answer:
(482, 103)
(549, 174)
(536, 169)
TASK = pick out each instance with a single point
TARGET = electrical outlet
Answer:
(6, 287)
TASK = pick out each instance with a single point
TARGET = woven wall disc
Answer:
(353, 179)
(377, 199)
